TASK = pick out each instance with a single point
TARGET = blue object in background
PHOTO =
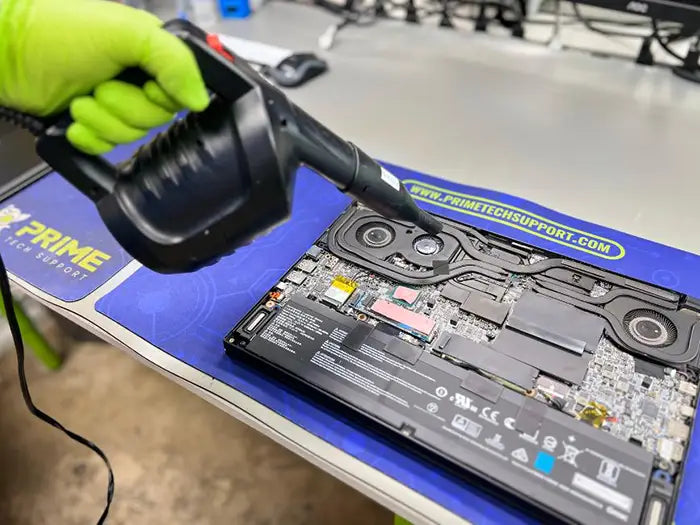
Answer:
(234, 8)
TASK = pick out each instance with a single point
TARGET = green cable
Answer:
(39, 345)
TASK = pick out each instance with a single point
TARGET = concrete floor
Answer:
(176, 458)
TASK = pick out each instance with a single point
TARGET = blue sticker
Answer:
(544, 462)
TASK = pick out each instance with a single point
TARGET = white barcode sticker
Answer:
(603, 492)
(391, 180)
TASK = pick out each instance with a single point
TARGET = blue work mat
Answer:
(52, 237)
(188, 315)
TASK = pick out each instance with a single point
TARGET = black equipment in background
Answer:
(690, 70)
(19, 163)
(685, 11)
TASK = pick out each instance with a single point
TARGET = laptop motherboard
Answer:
(566, 385)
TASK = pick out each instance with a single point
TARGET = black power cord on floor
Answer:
(663, 43)
(607, 32)
(36, 126)
(24, 387)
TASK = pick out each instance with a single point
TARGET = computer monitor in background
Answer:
(686, 12)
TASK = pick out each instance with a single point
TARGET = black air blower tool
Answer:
(215, 180)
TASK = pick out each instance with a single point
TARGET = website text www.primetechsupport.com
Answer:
(516, 218)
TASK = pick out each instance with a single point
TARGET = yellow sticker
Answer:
(344, 284)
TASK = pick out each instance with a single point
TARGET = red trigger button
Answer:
(214, 43)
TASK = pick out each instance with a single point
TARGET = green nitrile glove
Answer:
(56, 53)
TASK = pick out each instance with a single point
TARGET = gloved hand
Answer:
(57, 52)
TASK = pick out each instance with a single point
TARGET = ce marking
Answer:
(490, 415)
